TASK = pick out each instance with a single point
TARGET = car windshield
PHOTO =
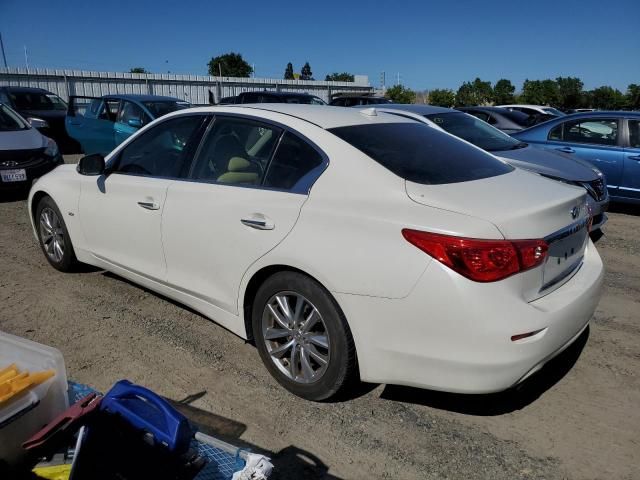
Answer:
(158, 109)
(37, 101)
(421, 154)
(554, 111)
(306, 100)
(10, 121)
(475, 131)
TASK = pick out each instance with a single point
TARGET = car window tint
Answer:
(634, 133)
(293, 159)
(556, 133)
(422, 154)
(131, 111)
(236, 151)
(481, 115)
(162, 151)
(595, 131)
(108, 110)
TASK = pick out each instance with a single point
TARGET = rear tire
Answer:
(53, 236)
(302, 337)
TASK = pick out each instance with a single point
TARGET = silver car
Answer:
(553, 165)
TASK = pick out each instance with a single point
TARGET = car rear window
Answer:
(422, 154)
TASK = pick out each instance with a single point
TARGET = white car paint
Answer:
(414, 320)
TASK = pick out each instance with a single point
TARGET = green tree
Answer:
(229, 65)
(288, 73)
(477, 92)
(569, 92)
(442, 97)
(607, 98)
(633, 97)
(532, 92)
(339, 77)
(138, 70)
(503, 92)
(305, 73)
(400, 94)
(550, 92)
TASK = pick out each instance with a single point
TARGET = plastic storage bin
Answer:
(28, 412)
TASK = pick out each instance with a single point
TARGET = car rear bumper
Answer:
(598, 211)
(454, 335)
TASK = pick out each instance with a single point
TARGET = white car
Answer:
(539, 110)
(347, 244)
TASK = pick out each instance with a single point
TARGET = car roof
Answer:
(603, 113)
(282, 94)
(323, 116)
(360, 96)
(486, 109)
(25, 89)
(144, 98)
(420, 109)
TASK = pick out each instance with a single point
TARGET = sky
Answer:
(430, 44)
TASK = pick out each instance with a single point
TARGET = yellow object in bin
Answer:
(13, 382)
(55, 472)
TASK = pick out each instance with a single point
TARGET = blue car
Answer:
(609, 140)
(99, 124)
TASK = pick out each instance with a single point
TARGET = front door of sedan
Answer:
(596, 140)
(121, 212)
(630, 184)
(244, 197)
(90, 122)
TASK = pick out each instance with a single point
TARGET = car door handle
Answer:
(258, 221)
(566, 150)
(149, 205)
(634, 157)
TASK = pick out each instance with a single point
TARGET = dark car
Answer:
(279, 97)
(609, 140)
(554, 165)
(40, 104)
(25, 154)
(506, 120)
(353, 100)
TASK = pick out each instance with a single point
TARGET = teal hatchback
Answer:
(99, 124)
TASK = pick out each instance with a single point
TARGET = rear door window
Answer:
(422, 154)
(593, 131)
(634, 133)
(293, 159)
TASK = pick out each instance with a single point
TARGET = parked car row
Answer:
(349, 244)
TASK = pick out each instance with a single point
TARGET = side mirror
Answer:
(91, 165)
(135, 122)
(37, 122)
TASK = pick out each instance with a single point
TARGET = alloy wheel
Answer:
(296, 337)
(52, 234)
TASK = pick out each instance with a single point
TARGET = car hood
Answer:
(549, 163)
(22, 140)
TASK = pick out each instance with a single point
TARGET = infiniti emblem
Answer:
(575, 211)
(9, 163)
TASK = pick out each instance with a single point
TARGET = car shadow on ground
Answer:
(495, 403)
(289, 463)
(625, 208)
(17, 195)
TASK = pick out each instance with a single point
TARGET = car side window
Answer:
(481, 115)
(4, 98)
(236, 151)
(595, 131)
(131, 111)
(556, 133)
(108, 110)
(163, 151)
(293, 159)
(634, 133)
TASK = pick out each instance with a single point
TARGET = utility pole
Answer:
(26, 57)
(4, 57)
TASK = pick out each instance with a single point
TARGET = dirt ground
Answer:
(578, 419)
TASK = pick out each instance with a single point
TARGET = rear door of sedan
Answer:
(246, 188)
(630, 184)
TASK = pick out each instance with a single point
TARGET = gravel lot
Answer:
(578, 419)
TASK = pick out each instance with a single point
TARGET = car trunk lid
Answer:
(522, 206)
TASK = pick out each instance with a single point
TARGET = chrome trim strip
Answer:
(629, 188)
(567, 231)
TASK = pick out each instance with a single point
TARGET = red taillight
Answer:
(480, 260)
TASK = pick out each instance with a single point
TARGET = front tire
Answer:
(53, 236)
(303, 337)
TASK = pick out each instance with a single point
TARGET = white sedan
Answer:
(348, 244)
